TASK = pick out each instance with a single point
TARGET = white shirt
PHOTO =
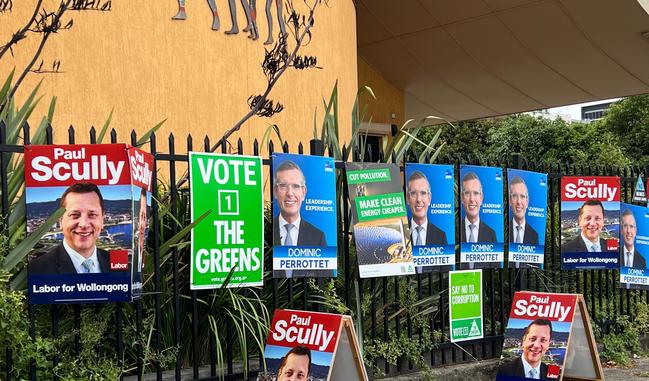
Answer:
(528, 367)
(589, 243)
(467, 228)
(415, 234)
(515, 231)
(294, 231)
(628, 257)
(77, 259)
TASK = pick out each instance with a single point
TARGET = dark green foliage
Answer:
(628, 119)
(537, 138)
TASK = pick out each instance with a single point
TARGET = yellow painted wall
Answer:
(148, 67)
(389, 99)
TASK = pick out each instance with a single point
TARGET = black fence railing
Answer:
(172, 319)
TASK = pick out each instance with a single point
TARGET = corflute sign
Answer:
(230, 240)
(94, 253)
(548, 337)
(590, 215)
(304, 345)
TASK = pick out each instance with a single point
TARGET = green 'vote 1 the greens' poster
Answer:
(465, 305)
(231, 237)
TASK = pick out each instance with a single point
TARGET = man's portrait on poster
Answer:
(81, 225)
(418, 197)
(520, 230)
(535, 342)
(591, 222)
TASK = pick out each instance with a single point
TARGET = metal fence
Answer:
(381, 304)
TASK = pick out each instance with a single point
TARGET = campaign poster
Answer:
(379, 218)
(465, 305)
(301, 345)
(634, 250)
(482, 217)
(87, 256)
(639, 193)
(141, 170)
(229, 241)
(536, 338)
(528, 201)
(431, 215)
(590, 217)
(304, 216)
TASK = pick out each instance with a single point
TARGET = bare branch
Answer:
(47, 23)
(91, 5)
(6, 5)
(304, 36)
(300, 27)
(21, 33)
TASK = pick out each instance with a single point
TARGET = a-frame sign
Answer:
(319, 346)
(549, 336)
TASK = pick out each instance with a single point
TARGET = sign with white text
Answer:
(303, 345)
(230, 239)
(482, 217)
(465, 305)
(634, 247)
(548, 337)
(528, 201)
(379, 219)
(590, 216)
(639, 193)
(431, 214)
(304, 216)
(93, 253)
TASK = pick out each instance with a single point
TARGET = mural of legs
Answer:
(233, 15)
(216, 24)
(252, 25)
(280, 20)
(181, 15)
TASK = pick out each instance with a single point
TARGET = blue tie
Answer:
(288, 241)
(88, 265)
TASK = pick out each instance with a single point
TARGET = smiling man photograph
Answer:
(473, 229)
(295, 365)
(422, 231)
(519, 230)
(591, 221)
(81, 225)
(535, 342)
(289, 228)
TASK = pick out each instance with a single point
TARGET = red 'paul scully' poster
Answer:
(303, 345)
(95, 250)
(590, 217)
(548, 337)
(537, 336)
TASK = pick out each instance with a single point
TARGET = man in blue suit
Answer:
(289, 228)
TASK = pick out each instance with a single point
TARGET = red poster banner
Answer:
(141, 168)
(583, 188)
(314, 330)
(535, 305)
(64, 165)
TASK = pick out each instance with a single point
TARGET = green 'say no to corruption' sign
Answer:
(230, 239)
(465, 307)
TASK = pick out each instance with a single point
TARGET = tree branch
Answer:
(47, 29)
(20, 34)
(300, 37)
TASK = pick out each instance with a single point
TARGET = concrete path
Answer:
(486, 371)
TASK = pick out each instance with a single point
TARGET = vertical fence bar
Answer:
(346, 229)
(174, 252)
(4, 203)
(156, 262)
